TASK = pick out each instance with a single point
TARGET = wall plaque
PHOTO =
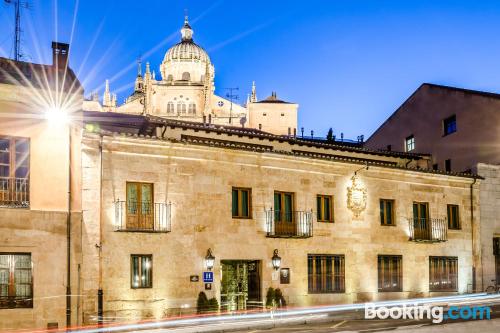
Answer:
(194, 278)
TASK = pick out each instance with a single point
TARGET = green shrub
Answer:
(213, 305)
(202, 303)
(279, 298)
(270, 295)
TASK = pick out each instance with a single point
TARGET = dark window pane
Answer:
(244, 203)
(235, 203)
(327, 209)
(318, 208)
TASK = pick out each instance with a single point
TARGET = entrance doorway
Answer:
(240, 285)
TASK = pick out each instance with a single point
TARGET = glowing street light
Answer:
(276, 260)
(209, 260)
(56, 115)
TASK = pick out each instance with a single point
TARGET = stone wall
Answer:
(197, 180)
(490, 221)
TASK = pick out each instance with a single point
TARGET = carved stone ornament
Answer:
(356, 196)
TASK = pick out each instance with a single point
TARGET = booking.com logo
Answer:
(419, 312)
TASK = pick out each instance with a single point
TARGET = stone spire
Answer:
(253, 97)
(139, 85)
(106, 100)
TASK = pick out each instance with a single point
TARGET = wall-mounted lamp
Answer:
(276, 260)
(209, 260)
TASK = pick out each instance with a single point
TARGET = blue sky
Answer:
(349, 64)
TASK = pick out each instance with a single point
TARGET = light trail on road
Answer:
(284, 316)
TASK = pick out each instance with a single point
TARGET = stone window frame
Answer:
(333, 283)
(320, 208)
(139, 276)
(383, 215)
(453, 215)
(11, 301)
(239, 210)
(387, 271)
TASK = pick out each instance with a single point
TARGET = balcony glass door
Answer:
(140, 206)
(421, 223)
(285, 222)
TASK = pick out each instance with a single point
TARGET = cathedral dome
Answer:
(186, 61)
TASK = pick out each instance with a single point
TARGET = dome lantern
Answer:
(186, 31)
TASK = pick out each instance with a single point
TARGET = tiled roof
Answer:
(37, 75)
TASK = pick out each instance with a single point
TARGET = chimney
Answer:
(60, 55)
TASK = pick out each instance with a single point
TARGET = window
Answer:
(389, 147)
(282, 114)
(170, 107)
(453, 217)
(386, 212)
(390, 273)
(241, 202)
(447, 165)
(421, 210)
(16, 281)
(170, 77)
(14, 171)
(140, 206)
(435, 166)
(449, 125)
(142, 271)
(192, 108)
(326, 273)
(264, 114)
(186, 76)
(443, 273)
(324, 206)
(283, 206)
(181, 107)
(410, 143)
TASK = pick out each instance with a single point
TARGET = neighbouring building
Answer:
(460, 128)
(349, 224)
(35, 209)
(186, 91)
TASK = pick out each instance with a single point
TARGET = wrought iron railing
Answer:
(14, 192)
(12, 302)
(428, 230)
(296, 224)
(142, 216)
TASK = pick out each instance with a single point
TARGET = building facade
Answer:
(460, 129)
(36, 212)
(349, 224)
(186, 91)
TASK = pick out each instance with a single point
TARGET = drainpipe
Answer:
(100, 292)
(472, 238)
(68, 238)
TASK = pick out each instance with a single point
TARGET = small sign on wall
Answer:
(194, 278)
(285, 275)
(208, 277)
(208, 286)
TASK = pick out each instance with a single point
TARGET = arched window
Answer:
(186, 76)
(170, 107)
(170, 77)
(192, 108)
(181, 108)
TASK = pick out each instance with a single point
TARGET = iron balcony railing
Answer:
(428, 230)
(142, 216)
(296, 224)
(14, 192)
(12, 302)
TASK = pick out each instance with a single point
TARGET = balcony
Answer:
(13, 302)
(428, 230)
(14, 192)
(135, 216)
(295, 224)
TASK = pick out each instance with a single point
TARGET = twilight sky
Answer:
(349, 64)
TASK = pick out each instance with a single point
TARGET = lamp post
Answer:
(209, 260)
(276, 260)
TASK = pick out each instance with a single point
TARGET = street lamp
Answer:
(276, 260)
(209, 259)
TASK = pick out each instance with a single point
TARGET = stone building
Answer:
(35, 209)
(186, 91)
(349, 224)
(460, 128)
